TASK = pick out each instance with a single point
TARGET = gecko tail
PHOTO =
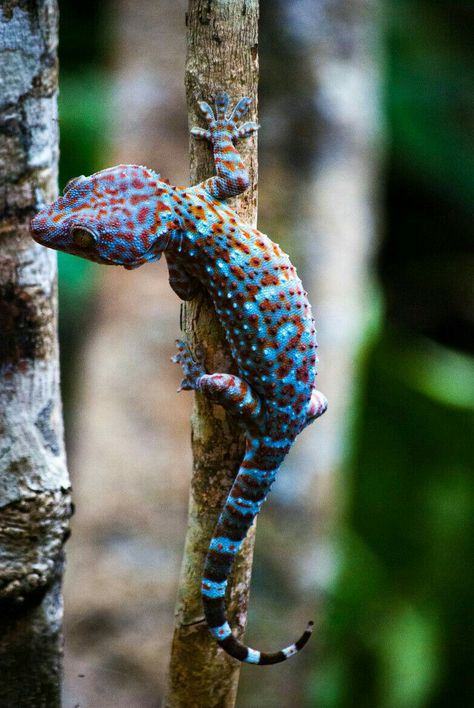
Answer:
(248, 493)
(252, 656)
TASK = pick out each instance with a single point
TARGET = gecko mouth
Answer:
(90, 255)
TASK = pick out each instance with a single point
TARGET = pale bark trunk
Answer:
(222, 55)
(35, 502)
(338, 204)
(338, 213)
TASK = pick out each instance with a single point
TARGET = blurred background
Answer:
(366, 179)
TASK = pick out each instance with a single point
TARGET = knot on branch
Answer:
(32, 533)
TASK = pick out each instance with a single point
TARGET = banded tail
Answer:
(248, 493)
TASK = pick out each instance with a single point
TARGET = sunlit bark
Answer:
(35, 502)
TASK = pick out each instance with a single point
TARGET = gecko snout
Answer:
(38, 226)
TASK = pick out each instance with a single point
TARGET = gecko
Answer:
(126, 215)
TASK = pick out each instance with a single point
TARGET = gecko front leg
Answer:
(232, 177)
(184, 285)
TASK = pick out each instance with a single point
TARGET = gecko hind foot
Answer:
(192, 369)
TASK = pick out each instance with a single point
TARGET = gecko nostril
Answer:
(38, 225)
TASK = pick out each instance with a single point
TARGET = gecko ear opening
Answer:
(153, 254)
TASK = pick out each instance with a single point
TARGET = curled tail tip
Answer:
(306, 635)
(251, 656)
(290, 651)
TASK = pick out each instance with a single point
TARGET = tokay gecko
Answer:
(127, 216)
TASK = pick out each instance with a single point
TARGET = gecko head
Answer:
(119, 216)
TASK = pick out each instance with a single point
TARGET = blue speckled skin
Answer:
(127, 216)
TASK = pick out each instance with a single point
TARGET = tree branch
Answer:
(222, 55)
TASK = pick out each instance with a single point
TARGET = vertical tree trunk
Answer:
(222, 54)
(34, 487)
(339, 202)
(337, 208)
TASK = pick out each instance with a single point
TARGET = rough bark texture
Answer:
(222, 54)
(35, 500)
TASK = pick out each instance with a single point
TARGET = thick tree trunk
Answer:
(222, 54)
(35, 500)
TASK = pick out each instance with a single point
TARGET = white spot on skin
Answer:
(290, 651)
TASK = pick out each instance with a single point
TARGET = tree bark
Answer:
(222, 55)
(35, 503)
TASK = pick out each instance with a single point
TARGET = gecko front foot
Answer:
(192, 369)
(220, 125)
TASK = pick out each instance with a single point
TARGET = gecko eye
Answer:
(73, 182)
(82, 237)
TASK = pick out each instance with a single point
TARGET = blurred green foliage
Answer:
(83, 109)
(399, 631)
(427, 260)
(83, 113)
(430, 96)
(397, 628)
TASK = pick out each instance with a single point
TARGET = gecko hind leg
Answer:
(231, 392)
(317, 405)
